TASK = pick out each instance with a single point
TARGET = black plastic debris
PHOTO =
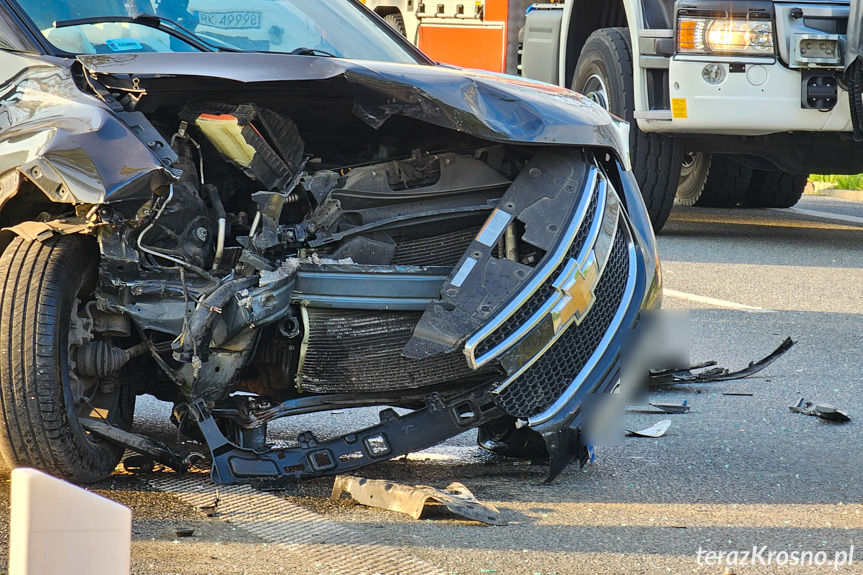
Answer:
(667, 408)
(686, 376)
(672, 408)
(211, 509)
(655, 430)
(184, 532)
(412, 500)
(138, 464)
(822, 410)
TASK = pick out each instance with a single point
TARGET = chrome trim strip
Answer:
(557, 336)
(606, 339)
(594, 182)
(599, 240)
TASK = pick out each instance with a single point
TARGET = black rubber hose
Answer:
(203, 320)
(215, 200)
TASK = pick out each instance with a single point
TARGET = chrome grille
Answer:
(545, 291)
(535, 298)
(545, 381)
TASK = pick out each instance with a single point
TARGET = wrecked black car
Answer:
(253, 229)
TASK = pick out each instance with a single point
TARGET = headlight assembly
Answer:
(724, 36)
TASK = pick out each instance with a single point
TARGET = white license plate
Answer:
(234, 20)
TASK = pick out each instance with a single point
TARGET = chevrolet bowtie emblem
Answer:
(577, 285)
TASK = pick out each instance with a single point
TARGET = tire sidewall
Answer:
(598, 59)
(79, 269)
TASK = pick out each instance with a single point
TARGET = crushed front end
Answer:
(342, 241)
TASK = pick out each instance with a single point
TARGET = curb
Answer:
(853, 195)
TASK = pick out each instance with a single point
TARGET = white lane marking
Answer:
(714, 302)
(823, 215)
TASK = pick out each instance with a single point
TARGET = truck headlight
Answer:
(731, 36)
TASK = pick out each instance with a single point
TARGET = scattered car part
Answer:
(739, 394)
(138, 464)
(656, 430)
(672, 407)
(211, 509)
(184, 532)
(412, 500)
(668, 408)
(822, 410)
(155, 450)
(276, 467)
(674, 377)
(504, 437)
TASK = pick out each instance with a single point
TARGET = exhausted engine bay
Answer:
(213, 276)
(264, 275)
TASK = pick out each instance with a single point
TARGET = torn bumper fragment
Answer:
(412, 500)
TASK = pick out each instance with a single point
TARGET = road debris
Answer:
(734, 394)
(656, 430)
(211, 509)
(184, 532)
(822, 410)
(685, 376)
(138, 464)
(672, 407)
(667, 408)
(412, 500)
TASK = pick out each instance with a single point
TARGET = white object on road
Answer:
(60, 529)
(656, 430)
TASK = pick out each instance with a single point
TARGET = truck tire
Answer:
(774, 189)
(604, 73)
(396, 21)
(42, 284)
(726, 184)
(693, 177)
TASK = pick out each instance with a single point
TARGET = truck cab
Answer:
(732, 102)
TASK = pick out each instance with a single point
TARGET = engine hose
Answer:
(216, 202)
(203, 320)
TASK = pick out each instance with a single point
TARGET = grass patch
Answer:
(840, 182)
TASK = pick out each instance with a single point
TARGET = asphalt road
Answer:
(736, 472)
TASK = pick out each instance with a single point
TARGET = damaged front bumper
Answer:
(470, 248)
(557, 335)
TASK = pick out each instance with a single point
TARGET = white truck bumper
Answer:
(763, 99)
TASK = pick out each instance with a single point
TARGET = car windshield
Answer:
(333, 28)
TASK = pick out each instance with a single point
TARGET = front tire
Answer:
(604, 73)
(42, 284)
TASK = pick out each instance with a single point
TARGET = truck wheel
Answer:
(693, 177)
(726, 184)
(396, 21)
(45, 286)
(604, 74)
(774, 189)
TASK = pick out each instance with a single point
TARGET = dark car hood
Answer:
(490, 106)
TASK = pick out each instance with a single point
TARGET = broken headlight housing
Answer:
(724, 36)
